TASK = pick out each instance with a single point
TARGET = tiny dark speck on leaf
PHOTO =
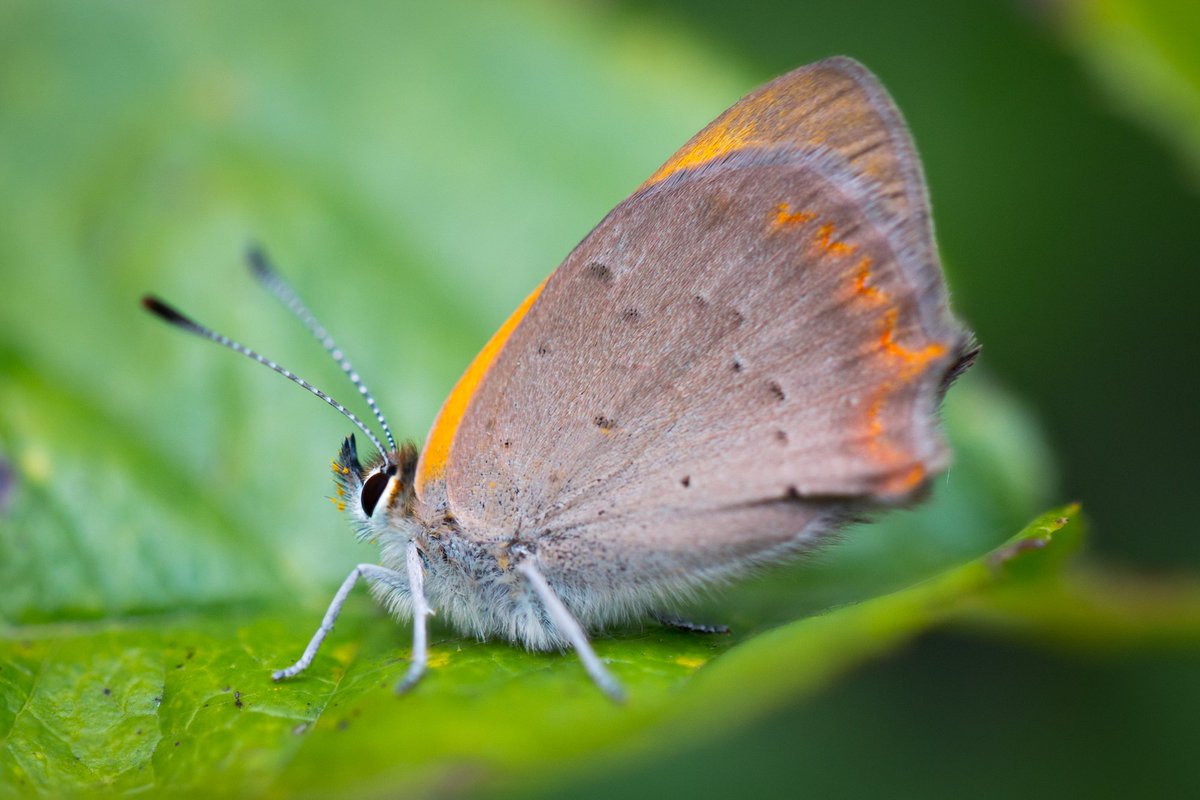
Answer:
(177, 744)
(179, 666)
(343, 724)
(1014, 550)
(107, 691)
(138, 732)
(237, 699)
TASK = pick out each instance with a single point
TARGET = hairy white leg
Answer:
(373, 571)
(421, 610)
(569, 627)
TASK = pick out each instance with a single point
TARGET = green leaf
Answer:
(1143, 52)
(184, 703)
(165, 543)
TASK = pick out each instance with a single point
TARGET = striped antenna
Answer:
(283, 291)
(172, 316)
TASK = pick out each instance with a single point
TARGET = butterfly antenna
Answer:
(170, 315)
(276, 285)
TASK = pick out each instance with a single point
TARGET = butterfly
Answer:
(745, 354)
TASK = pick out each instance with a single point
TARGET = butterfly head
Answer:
(373, 492)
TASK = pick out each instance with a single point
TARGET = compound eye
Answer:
(372, 490)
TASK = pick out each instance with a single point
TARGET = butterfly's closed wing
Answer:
(759, 330)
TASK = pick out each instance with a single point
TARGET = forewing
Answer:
(838, 106)
(760, 328)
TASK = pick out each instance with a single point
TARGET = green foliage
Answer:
(1144, 53)
(165, 545)
(183, 702)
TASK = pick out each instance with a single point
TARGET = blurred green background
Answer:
(417, 168)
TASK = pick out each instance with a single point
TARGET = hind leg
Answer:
(681, 624)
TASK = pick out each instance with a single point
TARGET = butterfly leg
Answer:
(371, 571)
(681, 624)
(569, 627)
(421, 610)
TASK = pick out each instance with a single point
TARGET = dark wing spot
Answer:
(685, 481)
(604, 423)
(700, 301)
(781, 436)
(599, 272)
(736, 366)
(630, 314)
(543, 349)
(507, 443)
(776, 391)
(714, 209)
(792, 493)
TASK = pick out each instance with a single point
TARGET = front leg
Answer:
(421, 610)
(372, 571)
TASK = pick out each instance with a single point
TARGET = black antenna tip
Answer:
(257, 259)
(165, 312)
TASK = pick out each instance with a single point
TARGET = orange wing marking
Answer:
(913, 359)
(734, 130)
(826, 241)
(784, 216)
(865, 289)
(437, 446)
(911, 363)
